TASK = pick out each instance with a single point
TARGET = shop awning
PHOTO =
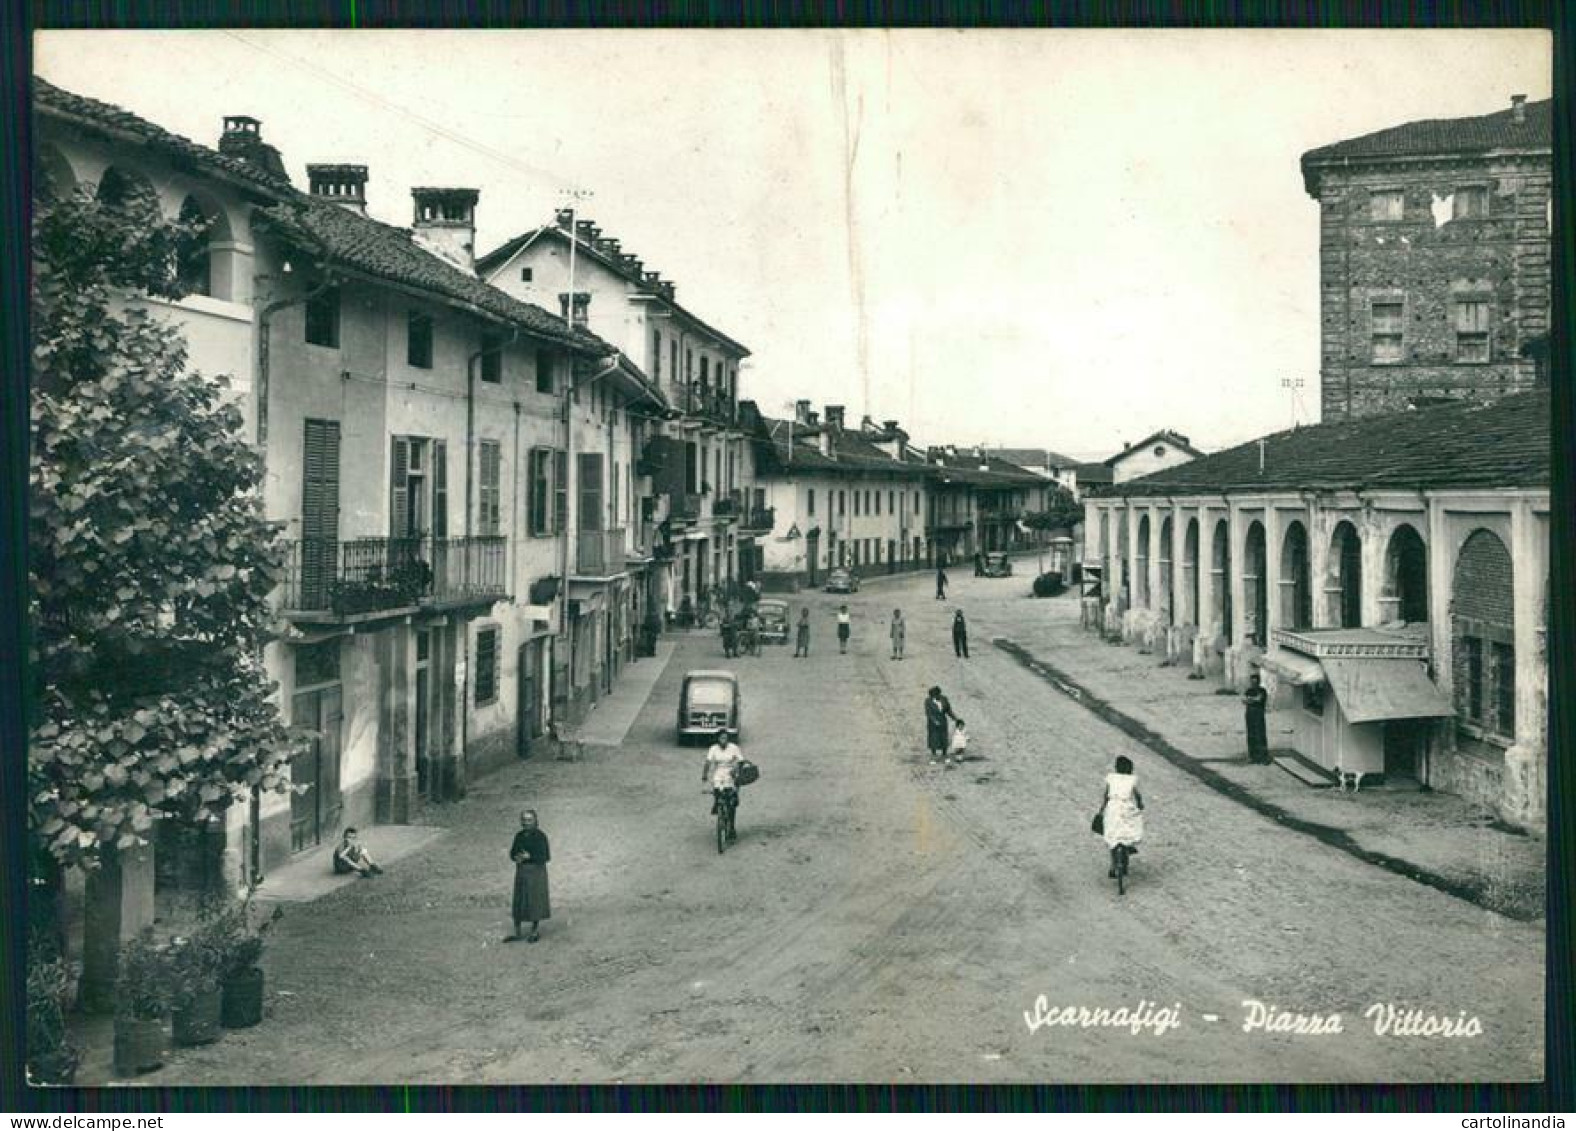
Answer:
(1299, 671)
(1369, 690)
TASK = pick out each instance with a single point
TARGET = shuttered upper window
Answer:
(490, 460)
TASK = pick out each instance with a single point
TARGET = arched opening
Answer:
(129, 191)
(1123, 582)
(1343, 587)
(202, 259)
(1220, 577)
(1405, 595)
(53, 176)
(1164, 604)
(1190, 576)
(1254, 589)
(1483, 638)
(1296, 590)
(1141, 583)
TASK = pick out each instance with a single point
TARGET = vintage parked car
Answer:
(842, 581)
(774, 620)
(996, 564)
(708, 701)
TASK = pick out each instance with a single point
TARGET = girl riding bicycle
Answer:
(1123, 810)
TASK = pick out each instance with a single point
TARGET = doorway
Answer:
(1405, 743)
(317, 707)
(428, 772)
(528, 697)
(812, 557)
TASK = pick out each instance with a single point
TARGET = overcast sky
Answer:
(1061, 239)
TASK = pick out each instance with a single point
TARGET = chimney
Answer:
(344, 185)
(445, 224)
(1518, 107)
(834, 416)
(564, 217)
(801, 412)
(243, 139)
(813, 419)
(866, 424)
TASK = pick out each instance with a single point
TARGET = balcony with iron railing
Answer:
(684, 508)
(758, 518)
(365, 577)
(704, 403)
(599, 553)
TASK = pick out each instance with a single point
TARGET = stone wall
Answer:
(1427, 260)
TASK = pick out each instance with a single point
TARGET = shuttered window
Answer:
(590, 485)
(540, 492)
(560, 491)
(490, 460)
(319, 511)
(1387, 331)
(1472, 321)
(486, 665)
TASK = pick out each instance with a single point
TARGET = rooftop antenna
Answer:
(572, 199)
(1291, 385)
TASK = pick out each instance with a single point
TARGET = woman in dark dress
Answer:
(530, 854)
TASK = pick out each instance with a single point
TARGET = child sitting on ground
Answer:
(350, 856)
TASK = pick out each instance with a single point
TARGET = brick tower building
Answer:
(1434, 260)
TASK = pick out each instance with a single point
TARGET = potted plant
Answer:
(196, 967)
(237, 936)
(142, 1005)
(52, 1058)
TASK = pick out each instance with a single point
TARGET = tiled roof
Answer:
(348, 239)
(104, 118)
(1505, 443)
(1093, 473)
(1164, 436)
(851, 453)
(1499, 130)
(501, 254)
(1032, 457)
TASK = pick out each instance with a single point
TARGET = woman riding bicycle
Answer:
(1123, 810)
(722, 769)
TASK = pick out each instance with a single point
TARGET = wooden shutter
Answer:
(560, 492)
(489, 458)
(590, 486)
(320, 481)
(440, 489)
(399, 489)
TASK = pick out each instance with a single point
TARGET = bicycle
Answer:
(1119, 856)
(727, 807)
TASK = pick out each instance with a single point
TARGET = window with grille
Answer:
(1470, 203)
(487, 665)
(490, 460)
(1386, 204)
(1472, 321)
(1387, 330)
(322, 319)
(1503, 721)
(418, 340)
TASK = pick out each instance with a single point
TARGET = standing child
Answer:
(959, 743)
(843, 628)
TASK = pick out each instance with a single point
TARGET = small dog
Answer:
(1351, 780)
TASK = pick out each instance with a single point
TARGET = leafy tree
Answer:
(1063, 511)
(150, 560)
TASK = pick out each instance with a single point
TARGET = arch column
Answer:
(1320, 531)
(1236, 556)
(1274, 533)
(1375, 540)
(1205, 614)
(1441, 572)
(1526, 762)
(1155, 603)
(1180, 613)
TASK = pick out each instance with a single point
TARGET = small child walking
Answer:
(958, 744)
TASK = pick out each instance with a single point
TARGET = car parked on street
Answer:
(842, 581)
(708, 701)
(773, 615)
(996, 564)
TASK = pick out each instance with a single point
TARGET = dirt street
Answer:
(879, 919)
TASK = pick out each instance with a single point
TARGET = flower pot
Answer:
(139, 1045)
(197, 1023)
(242, 999)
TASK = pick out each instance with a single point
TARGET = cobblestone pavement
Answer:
(878, 920)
